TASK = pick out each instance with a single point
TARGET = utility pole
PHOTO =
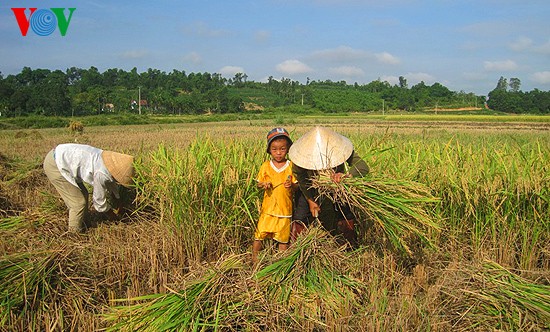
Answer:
(302, 99)
(383, 106)
(139, 100)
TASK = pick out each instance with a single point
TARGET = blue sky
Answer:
(465, 45)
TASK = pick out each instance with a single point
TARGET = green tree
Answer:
(502, 84)
(56, 93)
(18, 102)
(539, 101)
(514, 84)
(422, 94)
(238, 80)
(403, 82)
(505, 101)
(74, 76)
(6, 91)
(377, 86)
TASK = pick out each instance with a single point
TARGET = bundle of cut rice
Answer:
(397, 207)
(312, 282)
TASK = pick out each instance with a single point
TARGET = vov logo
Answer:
(43, 21)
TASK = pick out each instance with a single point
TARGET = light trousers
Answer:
(75, 198)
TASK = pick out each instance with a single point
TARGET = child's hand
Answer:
(265, 185)
(288, 183)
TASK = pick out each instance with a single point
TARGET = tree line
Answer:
(507, 97)
(78, 92)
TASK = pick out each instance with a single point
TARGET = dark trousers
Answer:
(329, 216)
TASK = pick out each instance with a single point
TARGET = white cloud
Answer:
(262, 36)
(542, 77)
(349, 71)
(290, 67)
(506, 65)
(134, 54)
(265, 79)
(393, 80)
(346, 54)
(341, 54)
(231, 70)
(414, 78)
(387, 58)
(527, 44)
(192, 57)
(521, 44)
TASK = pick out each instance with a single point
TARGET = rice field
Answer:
(179, 259)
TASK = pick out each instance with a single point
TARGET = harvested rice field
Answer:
(473, 254)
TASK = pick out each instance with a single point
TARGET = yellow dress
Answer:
(276, 212)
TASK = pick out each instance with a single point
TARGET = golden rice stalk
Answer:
(28, 281)
(397, 207)
(497, 296)
(311, 280)
(213, 301)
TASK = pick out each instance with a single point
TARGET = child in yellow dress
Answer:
(275, 177)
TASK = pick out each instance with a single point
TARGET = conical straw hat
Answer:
(120, 166)
(320, 148)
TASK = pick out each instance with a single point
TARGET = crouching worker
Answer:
(275, 177)
(317, 150)
(69, 166)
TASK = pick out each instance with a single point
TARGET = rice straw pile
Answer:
(311, 281)
(397, 207)
(307, 287)
(213, 300)
(27, 282)
(487, 296)
(502, 291)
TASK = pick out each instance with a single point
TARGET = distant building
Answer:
(142, 102)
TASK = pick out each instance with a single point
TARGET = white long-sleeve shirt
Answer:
(80, 163)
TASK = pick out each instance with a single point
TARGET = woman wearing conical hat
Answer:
(320, 149)
(69, 166)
